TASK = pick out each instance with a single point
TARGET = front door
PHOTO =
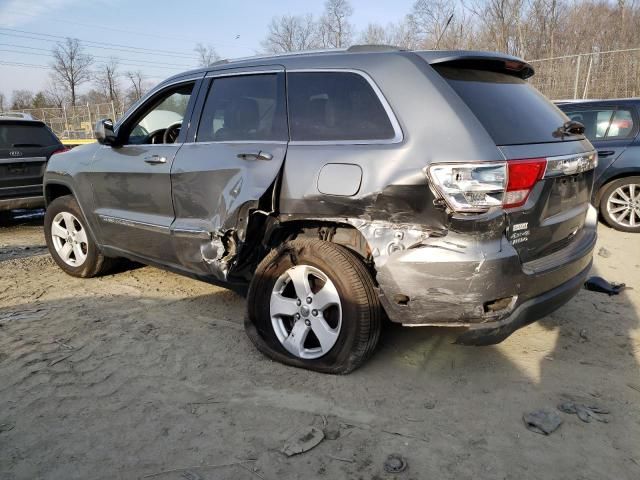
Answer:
(132, 182)
(233, 156)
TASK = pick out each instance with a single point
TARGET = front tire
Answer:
(69, 241)
(313, 304)
(620, 204)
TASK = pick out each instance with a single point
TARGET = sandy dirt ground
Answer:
(146, 374)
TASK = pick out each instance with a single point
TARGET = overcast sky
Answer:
(168, 31)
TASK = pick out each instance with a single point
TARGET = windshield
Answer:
(509, 108)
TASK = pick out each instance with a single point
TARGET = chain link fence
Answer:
(610, 74)
(72, 123)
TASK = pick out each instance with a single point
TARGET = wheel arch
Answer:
(631, 172)
(53, 190)
(341, 233)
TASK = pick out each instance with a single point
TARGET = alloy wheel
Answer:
(306, 312)
(69, 239)
(623, 205)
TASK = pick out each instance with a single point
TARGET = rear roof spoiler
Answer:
(493, 61)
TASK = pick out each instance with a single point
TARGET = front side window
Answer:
(248, 108)
(161, 122)
(335, 106)
(604, 124)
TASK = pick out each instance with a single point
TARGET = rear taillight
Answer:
(476, 187)
(522, 175)
(61, 150)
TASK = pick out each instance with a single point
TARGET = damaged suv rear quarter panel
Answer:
(394, 207)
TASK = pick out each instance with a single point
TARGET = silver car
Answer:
(338, 189)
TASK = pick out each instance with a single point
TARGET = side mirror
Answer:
(104, 132)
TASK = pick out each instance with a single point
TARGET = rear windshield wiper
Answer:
(18, 145)
(569, 129)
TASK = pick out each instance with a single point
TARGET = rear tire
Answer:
(70, 242)
(339, 302)
(620, 204)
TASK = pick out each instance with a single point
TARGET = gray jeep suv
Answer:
(436, 187)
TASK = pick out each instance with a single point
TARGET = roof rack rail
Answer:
(373, 48)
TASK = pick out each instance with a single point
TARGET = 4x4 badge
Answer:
(15, 153)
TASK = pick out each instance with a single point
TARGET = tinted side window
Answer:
(335, 106)
(605, 123)
(244, 108)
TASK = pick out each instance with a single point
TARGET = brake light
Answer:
(522, 175)
(61, 150)
(477, 187)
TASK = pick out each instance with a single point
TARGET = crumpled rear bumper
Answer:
(466, 281)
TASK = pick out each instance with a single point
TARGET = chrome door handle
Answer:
(155, 159)
(255, 156)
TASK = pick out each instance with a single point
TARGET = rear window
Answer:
(510, 109)
(25, 135)
(603, 123)
(335, 106)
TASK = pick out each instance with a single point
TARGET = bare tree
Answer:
(375, 34)
(207, 55)
(106, 79)
(334, 29)
(291, 33)
(21, 99)
(3, 100)
(137, 85)
(55, 94)
(71, 66)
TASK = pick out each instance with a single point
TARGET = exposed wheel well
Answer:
(55, 190)
(340, 233)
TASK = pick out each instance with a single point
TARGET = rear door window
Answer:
(19, 135)
(249, 108)
(511, 110)
(335, 106)
(605, 123)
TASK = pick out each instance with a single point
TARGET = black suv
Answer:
(612, 127)
(437, 187)
(25, 147)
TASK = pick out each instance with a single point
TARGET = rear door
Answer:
(25, 147)
(232, 157)
(610, 128)
(525, 125)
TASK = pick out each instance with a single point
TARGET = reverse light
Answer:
(476, 187)
(471, 187)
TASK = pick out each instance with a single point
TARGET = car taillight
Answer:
(522, 175)
(476, 187)
(470, 187)
(61, 150)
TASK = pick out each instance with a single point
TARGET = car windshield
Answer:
(25, 135)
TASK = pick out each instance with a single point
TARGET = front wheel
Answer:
(620, 204)
(313, 304)
(70, 242)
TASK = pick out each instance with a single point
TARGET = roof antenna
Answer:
(444, 30)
